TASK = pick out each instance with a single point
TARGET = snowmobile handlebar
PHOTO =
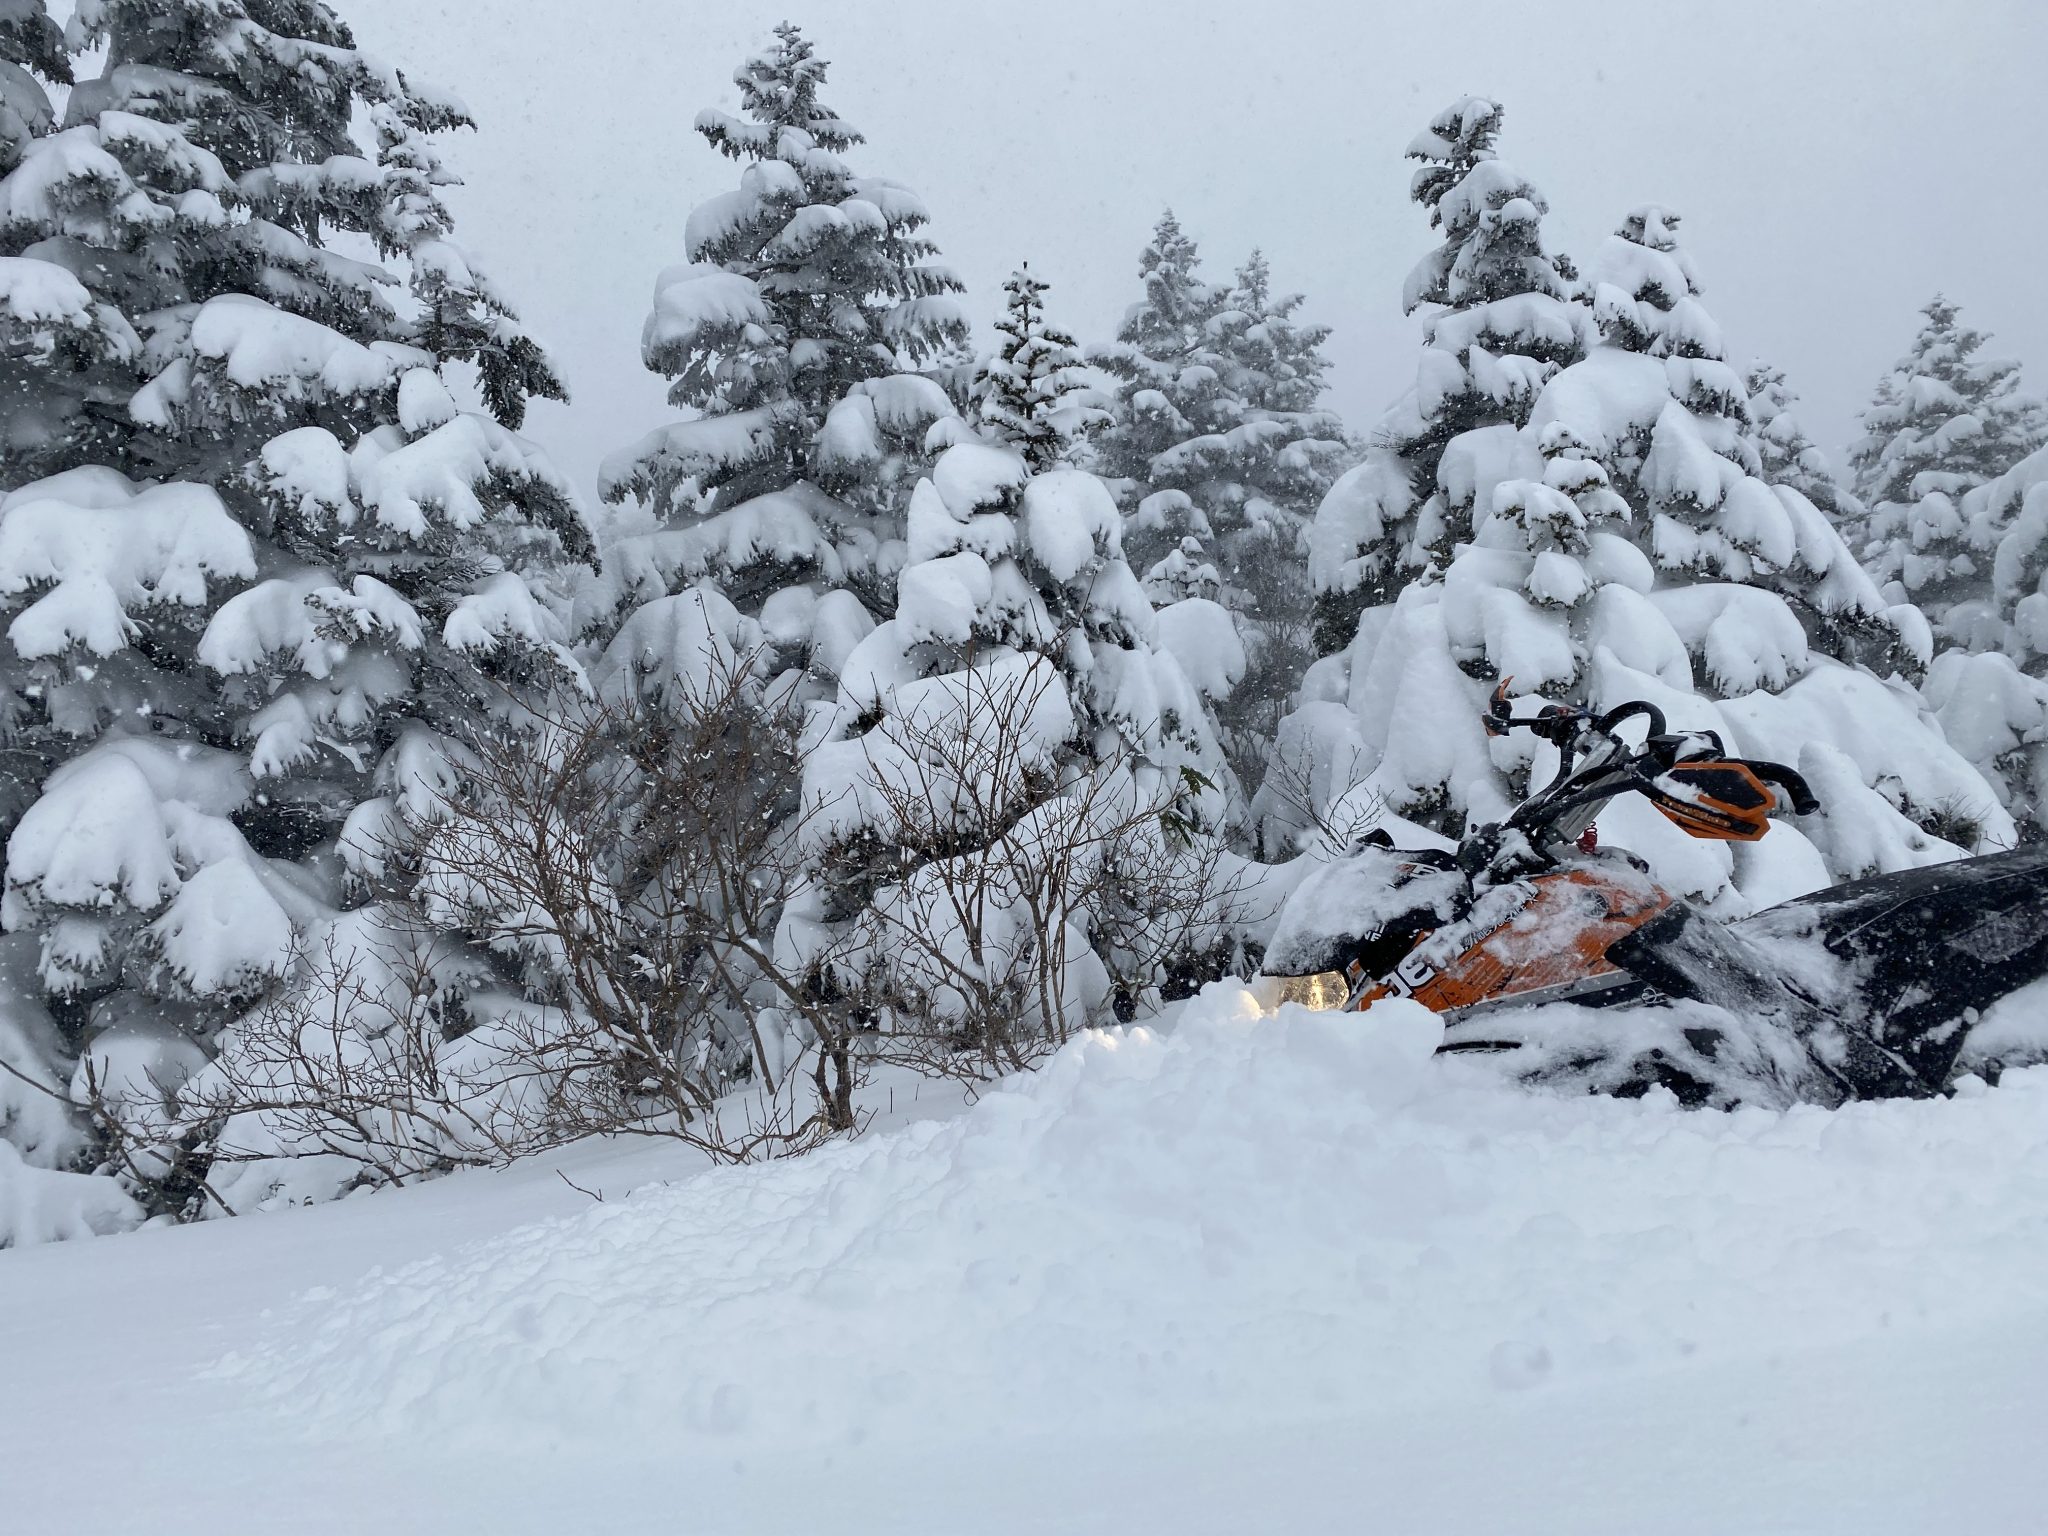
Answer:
(1562, 724)
(1688, 775)
(1630, 711)
(1804, 801)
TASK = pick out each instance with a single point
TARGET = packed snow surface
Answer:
(1241, 1271)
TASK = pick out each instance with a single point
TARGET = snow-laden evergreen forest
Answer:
(853, 806)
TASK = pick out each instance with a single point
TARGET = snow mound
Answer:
(1252, 1218)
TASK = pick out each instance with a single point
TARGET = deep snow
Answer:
(1244, 1272)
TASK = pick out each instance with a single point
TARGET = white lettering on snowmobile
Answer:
(1412, 972)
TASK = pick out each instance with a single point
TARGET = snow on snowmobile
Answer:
(1863, 990)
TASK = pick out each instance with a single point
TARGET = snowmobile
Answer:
(1863, 990)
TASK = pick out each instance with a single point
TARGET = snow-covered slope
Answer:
(1248, 1272)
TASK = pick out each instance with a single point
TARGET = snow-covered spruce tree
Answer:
(1944, 421)
(1692, 474)
(31, 45)
(1222, 455)
(1169, 378)
(1993, 702)
(801, 338)
(1500, 321)
(213, 155)
(1787, 456)
(51, 332)
(65, 356)
(228, 764)
(1239, 455)
(1623, 547)
(1265, 475)
(1032, 393)
(792, 337)
(1277, 461)
(1011, 807)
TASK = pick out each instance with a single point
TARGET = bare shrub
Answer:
(1333, 815)
(579, 938)
(636, 857)
(1014, 900)
(575, 939)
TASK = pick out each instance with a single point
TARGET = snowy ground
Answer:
(1247, 1274)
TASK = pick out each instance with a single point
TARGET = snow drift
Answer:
(1247, 1220)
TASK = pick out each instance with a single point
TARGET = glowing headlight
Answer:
(1325, 989)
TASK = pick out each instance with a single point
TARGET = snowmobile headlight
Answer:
(1324, 990)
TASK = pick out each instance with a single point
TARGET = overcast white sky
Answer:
(1835, 161)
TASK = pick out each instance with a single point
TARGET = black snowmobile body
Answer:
(1878, 982)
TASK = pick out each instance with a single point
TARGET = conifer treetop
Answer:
(1029, 392)
(779, 89)
(1501, 318)
(1943, 408)
(1943, 423)
(1787, 456)
(1646, 290)
(804, 284)
(1490, 215)
(1174, 296)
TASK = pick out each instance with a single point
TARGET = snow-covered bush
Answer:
(621, 867)
(1010, 809)
(46, 1194)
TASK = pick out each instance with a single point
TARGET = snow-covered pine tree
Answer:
(1276, 462)
(1168, 374)
(65, 355)
(1014, 761)
(1264, 475)
(220, 756)
(1786, 455)
(1623, 547)
(1222, 454)
(1944, 421)
(1032, 393)
(458, 313)
(1993, 702)
(816, 346)
(1500, 322)
(793, 336)
(213, 155)
(31, 45)
(1239, 454)
(1691, 472)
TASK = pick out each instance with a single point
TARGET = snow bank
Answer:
(45, 1205)
(1251, 1220)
